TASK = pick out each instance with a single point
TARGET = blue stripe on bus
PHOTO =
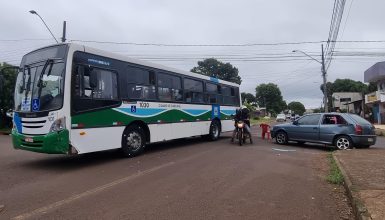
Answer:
(195, 112)
(228, 112)
(143, 111)
(155, 111)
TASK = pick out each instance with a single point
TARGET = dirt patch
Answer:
(337, 194)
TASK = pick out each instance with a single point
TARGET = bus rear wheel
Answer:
(133, 141)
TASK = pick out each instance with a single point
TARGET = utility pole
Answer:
(63, 39)
(326, 106)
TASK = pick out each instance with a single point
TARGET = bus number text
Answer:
(144, 104)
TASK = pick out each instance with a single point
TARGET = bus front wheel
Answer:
(133, 141)
(215, 130)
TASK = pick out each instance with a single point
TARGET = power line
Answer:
(227, 45)
(347, 17)
(196, 45)
(203, 45)
(338, 11)
(19, 40)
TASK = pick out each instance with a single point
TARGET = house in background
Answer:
(260, 112)
(376, 100)
(348, 101)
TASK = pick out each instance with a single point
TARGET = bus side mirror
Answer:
(93, 79)
(21, 88)
(1, 83)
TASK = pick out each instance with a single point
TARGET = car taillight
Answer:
(358, 129)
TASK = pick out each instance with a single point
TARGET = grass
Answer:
(335, 176)
(261, 120)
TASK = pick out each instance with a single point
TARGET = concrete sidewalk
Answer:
(364, 172)
(379, 126)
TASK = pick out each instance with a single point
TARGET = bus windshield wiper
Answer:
(26, 87)
(40, 79)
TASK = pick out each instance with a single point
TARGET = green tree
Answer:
(247, 96)
(7, 85)
(318, 110)
(346, 85)
(269, 96)
(296, 107)
(372, 87)
(250, 107)
(214, 68)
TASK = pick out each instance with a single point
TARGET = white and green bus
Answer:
(73, 99)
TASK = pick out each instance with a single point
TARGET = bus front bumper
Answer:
(51, 143)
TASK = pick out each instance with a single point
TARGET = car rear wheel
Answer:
(281, 138)
(343, 142)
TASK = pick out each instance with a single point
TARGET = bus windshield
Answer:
(40, 87)
(40, 82)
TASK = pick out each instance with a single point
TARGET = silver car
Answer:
(281, 117)
(339, 129)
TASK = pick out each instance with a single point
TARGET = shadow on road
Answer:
(312, 146)
(70, 162)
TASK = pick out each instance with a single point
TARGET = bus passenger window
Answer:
(169, 87)
(193, 91)
(141, 84)
(94, 88)
(106, 85)
(212, 91)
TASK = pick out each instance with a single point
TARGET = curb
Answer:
(359, 210)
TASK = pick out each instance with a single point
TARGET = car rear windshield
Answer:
(359, 119)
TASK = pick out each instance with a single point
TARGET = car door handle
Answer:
(315, 128)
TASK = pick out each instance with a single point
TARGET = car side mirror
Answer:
(295, 122)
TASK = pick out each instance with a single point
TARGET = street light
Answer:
(323, 70)
(34, 12)
(294, 51)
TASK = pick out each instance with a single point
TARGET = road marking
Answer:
(90, 192)
(45, 209)
(283, 150)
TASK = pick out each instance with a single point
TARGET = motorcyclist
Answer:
(242, 114)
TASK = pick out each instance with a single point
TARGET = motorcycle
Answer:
(241, 134)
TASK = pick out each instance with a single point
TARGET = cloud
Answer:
(208, 22)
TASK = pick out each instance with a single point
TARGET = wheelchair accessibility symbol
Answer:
(35, 105)
(133, 108)
(216, 112)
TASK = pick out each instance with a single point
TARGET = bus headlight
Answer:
(58, 125)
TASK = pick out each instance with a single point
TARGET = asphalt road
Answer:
(184, 179)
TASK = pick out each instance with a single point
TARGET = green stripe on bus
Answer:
(108, 116)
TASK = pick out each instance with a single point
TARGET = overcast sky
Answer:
(210, 22)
